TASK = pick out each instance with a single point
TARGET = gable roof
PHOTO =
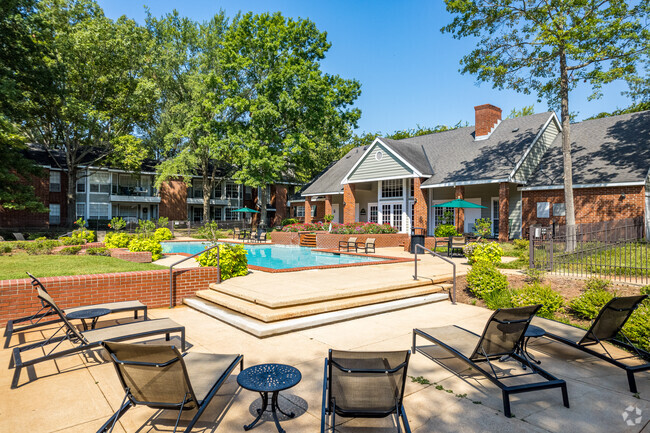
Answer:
(609, 150)
(329, 180)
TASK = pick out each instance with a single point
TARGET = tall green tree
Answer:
(191, 121)
(290, 118)
(23, 81)
(548, 47)
(100, 96)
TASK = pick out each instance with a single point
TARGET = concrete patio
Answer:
(78, 393)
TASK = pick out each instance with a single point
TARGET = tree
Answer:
(23, 78)
(100, 94)
(524, 111)
(191, 122)
(290, 118)
(548, 47)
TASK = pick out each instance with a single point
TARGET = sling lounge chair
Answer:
(456, 243)
(350, 243)
(36, 320)
(605, 327)
(85, 340)
(160, 377)
(367, 246)
(364, 385)
(19, 236)
(502, 336)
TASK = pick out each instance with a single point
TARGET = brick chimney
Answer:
(487, 116)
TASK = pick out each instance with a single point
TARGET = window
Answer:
(217, 214)
(98, 211)
(412, 189)
(443, 215)
(300, 211)
(197, 187)
(391, 188)
(313, 211)
(55, 213)
(81, 185)
(55, 182)
(81, 210)
(100, 182)
(372, 213)
(248, 194)
(559, 209)
(385, 214)
(379, 155)
(232, 190)
(543, 209)
(397, 216)
(230, 215)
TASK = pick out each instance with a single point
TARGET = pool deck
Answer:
(78, 393)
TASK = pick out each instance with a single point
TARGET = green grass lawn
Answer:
(15, 266)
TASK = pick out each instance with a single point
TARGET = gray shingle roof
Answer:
(609, 150)
(329, 180)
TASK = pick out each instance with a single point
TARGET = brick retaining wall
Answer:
(285, 238)
(331, 241)
(18, 298)
(131, 256)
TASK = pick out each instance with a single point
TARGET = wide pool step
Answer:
(308, 240)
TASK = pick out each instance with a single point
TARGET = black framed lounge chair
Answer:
(260, 236)
(350, 243)
(456, 244)
(367, 247)
(502, 336)
(441, 243)
(85, 340)
(160, 377)
(48, 313)
(605, 327)
(235, 233)
(364, 385)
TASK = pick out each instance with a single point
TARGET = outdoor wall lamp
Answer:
(622, 196)
(343, 203)
(362, 212)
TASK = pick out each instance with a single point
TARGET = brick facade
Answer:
(17, 297)
(486, 116)
(327, 208)
(173, 200)
(504, 211)
(308, 216)
(420, 208)
(350, 202)
(591, 205)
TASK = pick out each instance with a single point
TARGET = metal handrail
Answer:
(415, 276)
(171, 272)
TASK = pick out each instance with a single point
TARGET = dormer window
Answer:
(379, 155)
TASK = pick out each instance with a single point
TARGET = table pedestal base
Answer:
(274, 409)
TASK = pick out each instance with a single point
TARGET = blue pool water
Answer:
(276, 256)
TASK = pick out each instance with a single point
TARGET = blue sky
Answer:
(407, 68)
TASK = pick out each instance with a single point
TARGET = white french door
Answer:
(392, 213)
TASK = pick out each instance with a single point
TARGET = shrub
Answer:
(117, 240)
(40, 247)
(289, 221)
(233, 260)
(589, 303)
(489, 252)
(66, 240)
(445, 230)
(140, 243)
(532, 294)
(98, 251)
(645, 290)
(70, 251)
(146, 228)
(328, 218)
(210, 231)
(498, 299)
(163, 234)
(162, 222)
(534, 275)
(117, 224)
(595, 283)
(483, 227)
(637, 327)
(484, 278)
(6, 248)
(521, 244)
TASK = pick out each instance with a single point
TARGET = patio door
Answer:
(391, 213)
(335, 212)
(495, 217)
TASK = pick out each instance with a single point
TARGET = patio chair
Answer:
(441, 243)
(235, 233)
(260, 236)
(82, 341)
(19, 236)
(366, 246)
(46, 311)
(502, 337)
(605, 327)
(350, 243)
(456, 243)
(364, 385)
(160, 377)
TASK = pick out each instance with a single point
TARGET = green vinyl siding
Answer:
(386, 168)
(534, 157)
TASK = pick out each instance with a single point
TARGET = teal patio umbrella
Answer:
(247, 210)
(459, 203)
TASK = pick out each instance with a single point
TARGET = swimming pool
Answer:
(278, 256)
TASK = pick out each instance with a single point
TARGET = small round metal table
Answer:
(90, 313)
(532, 332)
(265, 379)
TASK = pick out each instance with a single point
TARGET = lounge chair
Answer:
(502, 336)
(456, 243)
(235, 233)
(85, 340)
(2, 239)
(605, 327)
(260, 236)
(366, 246)
(35, 320)
(364, 385)
(350, 243)
(160, 377)
(19, 236)
(441, 243)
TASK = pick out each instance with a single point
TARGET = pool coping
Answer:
(387, 260)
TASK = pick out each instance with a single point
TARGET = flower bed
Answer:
(357, 228)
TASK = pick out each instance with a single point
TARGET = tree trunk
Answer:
(207, 186)
(566, 153)
(71, 197)
(262, 200)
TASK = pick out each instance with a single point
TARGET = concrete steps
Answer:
(268, 314)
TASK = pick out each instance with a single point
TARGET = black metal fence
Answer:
(616, 250)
